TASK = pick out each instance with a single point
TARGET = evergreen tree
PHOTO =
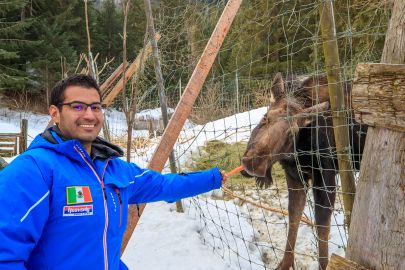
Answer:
(13, 41)
(107, 27)
(60, 26)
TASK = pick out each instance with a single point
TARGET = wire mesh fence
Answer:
(251, 223)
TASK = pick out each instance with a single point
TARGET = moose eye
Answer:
(264, 120)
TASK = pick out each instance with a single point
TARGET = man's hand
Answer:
(224, 177)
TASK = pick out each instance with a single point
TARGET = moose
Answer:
(297, 132)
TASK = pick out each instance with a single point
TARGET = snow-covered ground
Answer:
(212, 233)
(165, 239)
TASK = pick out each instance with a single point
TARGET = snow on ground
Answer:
(165, 239)
(212, 234)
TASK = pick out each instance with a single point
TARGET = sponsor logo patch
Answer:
(77, 210)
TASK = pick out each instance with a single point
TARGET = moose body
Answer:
(297, 132)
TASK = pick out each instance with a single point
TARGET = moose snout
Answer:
(244, 173)
(255, 166)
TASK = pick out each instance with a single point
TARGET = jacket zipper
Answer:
(120, 201)
(101, 181)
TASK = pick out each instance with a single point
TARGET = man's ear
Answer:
(54, 113)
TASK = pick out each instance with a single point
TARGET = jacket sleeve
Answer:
(24, 208)
(150, 186)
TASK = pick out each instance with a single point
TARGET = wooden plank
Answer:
(339, 263)
(113, 77)
(129, 72)
(9, 135)
(8, 139)
(7, 153)
(7, 144)
(379, 95)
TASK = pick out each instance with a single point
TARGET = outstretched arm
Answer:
(150, 186)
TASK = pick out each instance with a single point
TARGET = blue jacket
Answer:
(61, 209)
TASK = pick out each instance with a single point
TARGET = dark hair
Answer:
(58, 92)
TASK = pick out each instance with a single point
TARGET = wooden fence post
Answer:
(377, 232)
(23, 136)
(337, 103)
(184, 107)
(3, 163)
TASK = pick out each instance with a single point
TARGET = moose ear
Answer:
(321, 107)
(277, 88)
(293, 129)
(306, 117)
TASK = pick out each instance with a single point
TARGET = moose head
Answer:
(272, 139)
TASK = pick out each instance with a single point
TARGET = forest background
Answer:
(43, 41)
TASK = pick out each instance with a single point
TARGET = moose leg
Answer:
(296, 203)
(324, 197)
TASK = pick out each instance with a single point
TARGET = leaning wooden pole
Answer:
(377, 233)
(112, 78)
(185, 105)
(337, 102)
(142, 56)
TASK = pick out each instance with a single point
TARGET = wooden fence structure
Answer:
(377, 231)
(12, 144)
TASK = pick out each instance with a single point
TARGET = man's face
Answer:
(83, 125)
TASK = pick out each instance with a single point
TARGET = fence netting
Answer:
(246, 224)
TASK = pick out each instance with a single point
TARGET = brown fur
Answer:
(291, 132)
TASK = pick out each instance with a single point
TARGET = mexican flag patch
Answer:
(78, 194)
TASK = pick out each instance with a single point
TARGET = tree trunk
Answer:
(377, 233)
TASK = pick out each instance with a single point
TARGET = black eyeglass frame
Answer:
(103, 106)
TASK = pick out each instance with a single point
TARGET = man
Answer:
(64, 202)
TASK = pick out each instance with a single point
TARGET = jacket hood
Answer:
(53, 139)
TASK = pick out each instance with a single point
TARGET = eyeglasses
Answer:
(81, 107)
